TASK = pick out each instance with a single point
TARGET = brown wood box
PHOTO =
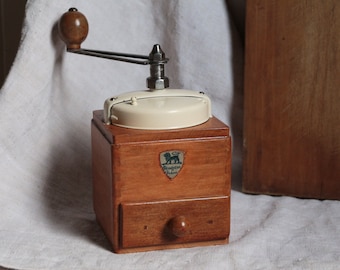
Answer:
(139, 207)
(292, 98)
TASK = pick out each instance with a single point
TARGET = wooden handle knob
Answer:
(179, 226)
(73, 28)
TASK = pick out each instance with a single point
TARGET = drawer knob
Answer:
(179, 226)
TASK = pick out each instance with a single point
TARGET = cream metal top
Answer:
(158, 109)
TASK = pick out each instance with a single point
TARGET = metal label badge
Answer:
(171, 162)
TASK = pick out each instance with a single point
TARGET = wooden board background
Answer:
(292, 98)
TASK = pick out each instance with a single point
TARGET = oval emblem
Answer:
(171, 162)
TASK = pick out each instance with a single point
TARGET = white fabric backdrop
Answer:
(46, 105)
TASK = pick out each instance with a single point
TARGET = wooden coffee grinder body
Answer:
(144, 201)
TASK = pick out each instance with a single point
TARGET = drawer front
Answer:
(174, 222)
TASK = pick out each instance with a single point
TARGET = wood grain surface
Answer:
(292, 98)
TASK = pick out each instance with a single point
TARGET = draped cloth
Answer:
(47, 219)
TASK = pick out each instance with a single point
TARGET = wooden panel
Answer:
(205, 170)
(146, 224)
(292, 98)
(102, 182)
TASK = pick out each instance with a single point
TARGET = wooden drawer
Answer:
(174, 222)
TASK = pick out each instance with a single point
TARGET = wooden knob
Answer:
(73, 28)
(178, 226)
